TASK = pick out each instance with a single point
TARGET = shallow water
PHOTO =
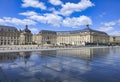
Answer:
(80, 65)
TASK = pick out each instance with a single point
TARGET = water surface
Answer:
(80, 65)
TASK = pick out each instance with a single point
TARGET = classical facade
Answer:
(45, 37)
(77, 38)
(114, 39)
(25, 36)
(82, 37)
(11, 36)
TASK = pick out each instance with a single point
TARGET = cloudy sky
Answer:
(61, 15)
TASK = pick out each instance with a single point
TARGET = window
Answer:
(114, 38)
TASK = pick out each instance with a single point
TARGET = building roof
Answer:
(8, 28)
(91, 30)
(47, 32)
(87, 29)
(26, 29)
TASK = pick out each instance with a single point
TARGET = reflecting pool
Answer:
(74, 65)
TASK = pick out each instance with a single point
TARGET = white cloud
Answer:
(34, 30)
(109, 23)
(54, 11)
(116, 33)
(2, 22)
(16, 21)
(53, 19)
(110, 27)
(33, 3)
(69, 8)
(38, 18)
(117, 22)
(57, 20)
(106, 29)
(28, 13)
(20, 23)
(77, 21)
(56, 2)
(56, 17)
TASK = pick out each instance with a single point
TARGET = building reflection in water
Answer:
(52, 65)
(75, 59)
(8, 57)
(87, 53)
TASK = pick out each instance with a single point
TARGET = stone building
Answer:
(77, 38)
(11, 36)
(45, 37)
(82, 37)
(114, 39)
(36, 39)
(25, 36)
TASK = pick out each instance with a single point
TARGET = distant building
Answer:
(78, 38)
(45, 37)
(25, 36)
(11, 36)
(114, 39)
(82, 37)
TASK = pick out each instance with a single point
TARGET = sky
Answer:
(61, 15)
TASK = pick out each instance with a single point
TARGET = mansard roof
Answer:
(80, 31)
(91, 30)
(47, 32)
(87, 29)
(8, 28)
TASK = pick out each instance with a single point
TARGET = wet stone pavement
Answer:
(80, 65)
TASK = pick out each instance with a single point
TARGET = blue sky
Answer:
(61, 15)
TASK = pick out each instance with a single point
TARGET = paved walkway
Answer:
(34, 48)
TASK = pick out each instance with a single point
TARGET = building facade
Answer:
(77, 38)
(114, 39)
(25, 36)
(11, 36)
(82, 37)
(45, 37)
